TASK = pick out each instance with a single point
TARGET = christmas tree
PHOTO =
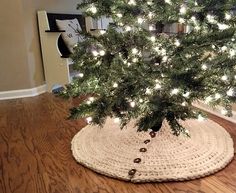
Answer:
(134, 70)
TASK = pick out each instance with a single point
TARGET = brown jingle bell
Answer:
(132, 172)
(152, 134)
(143, 150)
(147, 141)
(137, 160)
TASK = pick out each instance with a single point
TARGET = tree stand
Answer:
(154, 156)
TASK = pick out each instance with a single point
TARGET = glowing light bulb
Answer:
(217, 96)
(232, 53)
(168, 1)
(224, 78)
(91, 99)
(153, 38)
(175, 91)
(117, 120)
(102, 32)
(211, 18)
(132, 104)
(186, 95)
(194, 19)
(188, 56)
(89, 119)
(208, 99)
(230, 92)
(120, 24)
(163, 52)
(204, 67)
(177, 43)
(183, 10)
(80, 75)
(157, 86)
(92, 9)
(151, 28)
(150, 15)
(164, 59)
(148, 91)
(119, 15)
(102, 53)
(132, 2)
(197, 27)
(184, 104)
(157, 49)
(115, 85)
(135, 60)
(228, 16)
(200, 118)
(128, 28)
(88, 102)
(140, 20)
(223, 26)
(224, 48)
(134, 51)
(149, 2)
(141, 100)
(95, 53)
(181, 20)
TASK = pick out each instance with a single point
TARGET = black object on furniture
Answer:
(53, 28)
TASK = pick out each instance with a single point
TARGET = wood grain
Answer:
(35, 155)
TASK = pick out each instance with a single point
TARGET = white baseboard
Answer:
(216, 111)
(15, 94)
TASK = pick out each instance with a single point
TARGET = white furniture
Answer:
(57, 64)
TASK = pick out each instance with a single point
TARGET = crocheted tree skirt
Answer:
(154, 157)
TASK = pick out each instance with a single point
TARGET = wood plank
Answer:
(216, 185)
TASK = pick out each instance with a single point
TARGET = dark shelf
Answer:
(97, 29)
(65, 56)
(55, 31)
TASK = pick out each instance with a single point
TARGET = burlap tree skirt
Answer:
(148, 157)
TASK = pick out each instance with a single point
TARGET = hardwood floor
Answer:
(35, 155)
